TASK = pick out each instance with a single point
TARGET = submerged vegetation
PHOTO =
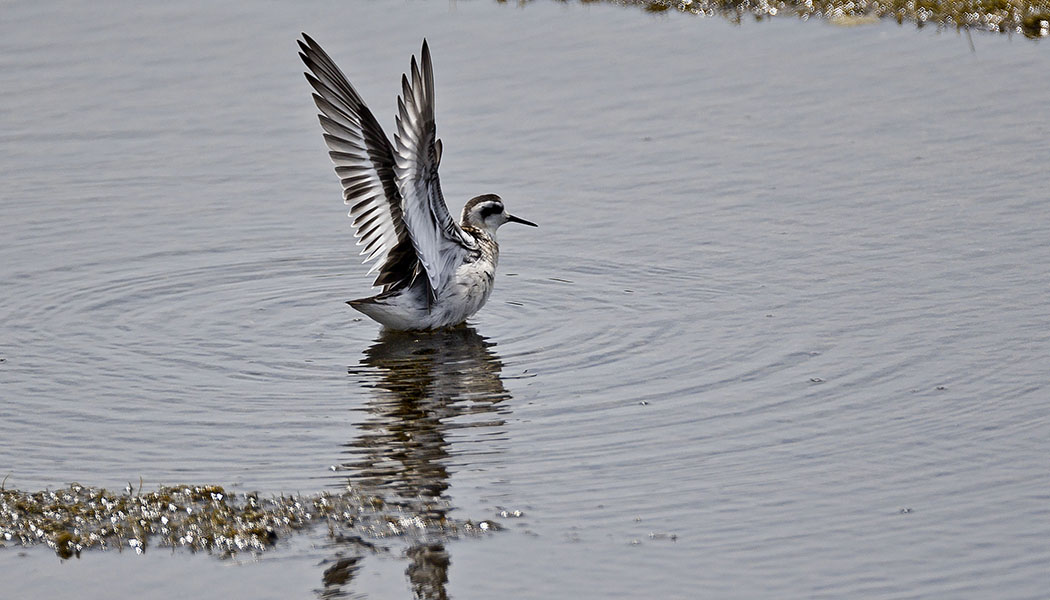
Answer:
(204, 518)
(1030, 18)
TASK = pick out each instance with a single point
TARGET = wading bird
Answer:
(433, 272)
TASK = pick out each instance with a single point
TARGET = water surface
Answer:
(782, 331)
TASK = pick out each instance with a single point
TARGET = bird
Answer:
(433, 273)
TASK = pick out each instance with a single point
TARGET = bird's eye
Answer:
(491, 209)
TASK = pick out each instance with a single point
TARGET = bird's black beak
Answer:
(513, 219)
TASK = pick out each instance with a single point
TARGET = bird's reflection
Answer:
(424, 386)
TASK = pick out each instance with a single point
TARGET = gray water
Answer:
(783, 330)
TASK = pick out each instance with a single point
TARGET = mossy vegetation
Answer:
(204, 518)
(1030, 18)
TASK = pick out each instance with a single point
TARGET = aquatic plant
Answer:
(207, 518)
(1030, 18)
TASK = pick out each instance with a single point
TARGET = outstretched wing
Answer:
(364, 161)
(440, 243)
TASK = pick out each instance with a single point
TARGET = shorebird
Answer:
(433, 272)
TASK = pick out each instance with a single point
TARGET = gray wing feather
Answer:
(364, 161)
(440, 243)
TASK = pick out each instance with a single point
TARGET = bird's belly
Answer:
(467, 292)
(410, 309)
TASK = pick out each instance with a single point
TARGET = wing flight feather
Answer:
(365, 163)
(440, 243)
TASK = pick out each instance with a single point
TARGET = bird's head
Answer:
(486, 213)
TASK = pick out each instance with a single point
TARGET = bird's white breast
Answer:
(468, 289)
(464, 294)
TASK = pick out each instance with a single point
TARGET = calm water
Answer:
(783, 331)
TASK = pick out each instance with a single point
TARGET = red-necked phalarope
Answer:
(433, 272)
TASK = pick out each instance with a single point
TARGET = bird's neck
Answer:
(482, 234)
(486, 241)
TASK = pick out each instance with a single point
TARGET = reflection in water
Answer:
(337, 575)
(428, 570)
(425, 386)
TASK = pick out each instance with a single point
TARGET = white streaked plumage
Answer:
(439, 242)
(432, 272)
